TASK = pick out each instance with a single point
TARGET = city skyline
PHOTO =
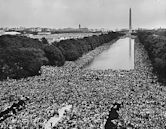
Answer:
(109, 14)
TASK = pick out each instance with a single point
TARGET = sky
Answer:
(108, 14)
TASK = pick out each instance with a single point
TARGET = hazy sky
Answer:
(109, 14)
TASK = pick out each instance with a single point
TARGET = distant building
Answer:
(37, 29)
(17, 29)
(1, 31)
(72, 30)
(44, 33)
(84, 29)
(6, 29)
(11, 33)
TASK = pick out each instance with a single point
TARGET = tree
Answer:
(21, 62)
(44, 40)
(54, 55)
(19, 42)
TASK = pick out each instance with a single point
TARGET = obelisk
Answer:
(130, 31)
(130, 24)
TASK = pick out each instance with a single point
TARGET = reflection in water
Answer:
(130, 48)
(120, 55)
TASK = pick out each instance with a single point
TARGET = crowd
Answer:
(16, 107)
(92, 94)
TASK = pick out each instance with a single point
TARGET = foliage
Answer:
(72, 49)
(21, 56)
(20, 62)
(54, 55)
(19, 42)
(44, 40)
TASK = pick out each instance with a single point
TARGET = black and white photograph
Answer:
(82, 64)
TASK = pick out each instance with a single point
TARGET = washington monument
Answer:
(130, 24)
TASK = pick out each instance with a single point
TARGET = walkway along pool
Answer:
(119, 56)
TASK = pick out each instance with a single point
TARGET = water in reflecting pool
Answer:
(119, 55)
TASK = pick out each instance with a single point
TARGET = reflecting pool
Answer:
(119, 55)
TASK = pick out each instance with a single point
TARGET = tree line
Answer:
(21, 56)
(156, 48)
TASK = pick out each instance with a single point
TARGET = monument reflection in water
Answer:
(119, 56)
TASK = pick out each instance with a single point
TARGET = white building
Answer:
(11, 33)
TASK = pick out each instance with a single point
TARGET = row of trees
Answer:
(72, 49)
(156, 48)
(21, 56)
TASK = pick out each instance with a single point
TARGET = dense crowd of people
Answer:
(92, 94)
(18, 106)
